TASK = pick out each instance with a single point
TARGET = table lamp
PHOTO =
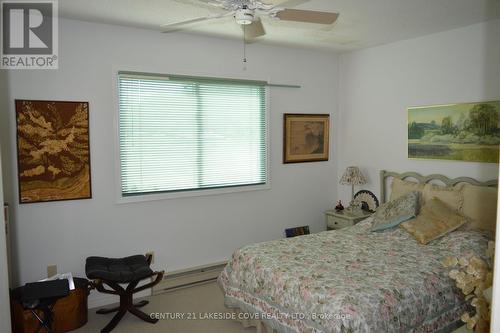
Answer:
(352, 176)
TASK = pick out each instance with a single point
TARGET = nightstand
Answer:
(338, 220)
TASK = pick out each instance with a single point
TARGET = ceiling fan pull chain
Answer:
(244, 48)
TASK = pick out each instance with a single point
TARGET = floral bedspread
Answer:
(350, 280)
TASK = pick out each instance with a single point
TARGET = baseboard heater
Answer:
(189, 277)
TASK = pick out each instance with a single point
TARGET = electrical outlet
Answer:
(51, 270)
(152, 254)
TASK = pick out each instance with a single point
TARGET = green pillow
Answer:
(394, 212)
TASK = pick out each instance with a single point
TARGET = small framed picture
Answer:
(306, 137)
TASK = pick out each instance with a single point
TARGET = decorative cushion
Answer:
(480, 206)
(121, 270)
(400, 188)
(452, 196)
(435, 220)
(392, 213)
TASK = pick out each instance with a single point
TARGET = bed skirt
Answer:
(444, 323)
(258, 324)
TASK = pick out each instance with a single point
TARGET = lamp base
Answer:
(354, 208)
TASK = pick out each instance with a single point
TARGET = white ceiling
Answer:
(362, 23)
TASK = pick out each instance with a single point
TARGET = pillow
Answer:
(435, 220)
(392, 213)
(480, 206)
(452, 196)
(400, 188)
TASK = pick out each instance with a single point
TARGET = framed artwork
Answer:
(305, 137)
(459, 132)
(53, 153)
(297, 231)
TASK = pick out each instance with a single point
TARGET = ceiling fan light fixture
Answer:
(244, 16)
(248, 14)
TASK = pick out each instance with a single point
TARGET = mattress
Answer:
(350, 280)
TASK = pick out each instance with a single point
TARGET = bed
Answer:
(351, 280)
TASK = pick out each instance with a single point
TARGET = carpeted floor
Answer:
(199, 300)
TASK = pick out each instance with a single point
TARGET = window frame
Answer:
(121, 199)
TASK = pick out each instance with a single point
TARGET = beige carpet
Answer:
(201, 299)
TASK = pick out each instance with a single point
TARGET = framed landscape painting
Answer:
(460, 132)
(53, 152)
(306, 137)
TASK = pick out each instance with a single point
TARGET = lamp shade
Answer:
(352, 176)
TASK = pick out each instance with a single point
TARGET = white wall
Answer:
(4, 274)
(183, 232)
(378, 84)
(495, 306)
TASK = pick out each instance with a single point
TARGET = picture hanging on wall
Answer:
(460, 132)
(306, 137)
(53, 151)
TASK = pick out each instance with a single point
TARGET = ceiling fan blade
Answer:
(171, 27)
(254, 30)
(309, 16)
(177, 25)
(200, 3)
(285, 3)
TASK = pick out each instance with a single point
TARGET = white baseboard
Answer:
(189, 277)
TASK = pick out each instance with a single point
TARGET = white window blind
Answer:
(184, 134)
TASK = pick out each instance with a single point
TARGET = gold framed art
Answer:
(306, 137)
(53, 152)
(460, 132)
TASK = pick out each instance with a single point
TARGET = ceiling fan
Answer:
(247, 14)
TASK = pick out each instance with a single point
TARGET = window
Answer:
(183, 134)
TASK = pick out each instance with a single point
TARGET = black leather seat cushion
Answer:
(121, 270)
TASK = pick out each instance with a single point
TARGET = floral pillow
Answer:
(394, 212)
(401, 187)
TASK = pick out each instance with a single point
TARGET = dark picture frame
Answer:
(53, 150)
(306, 137)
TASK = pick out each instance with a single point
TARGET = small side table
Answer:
(69, 313)
(338, 220)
